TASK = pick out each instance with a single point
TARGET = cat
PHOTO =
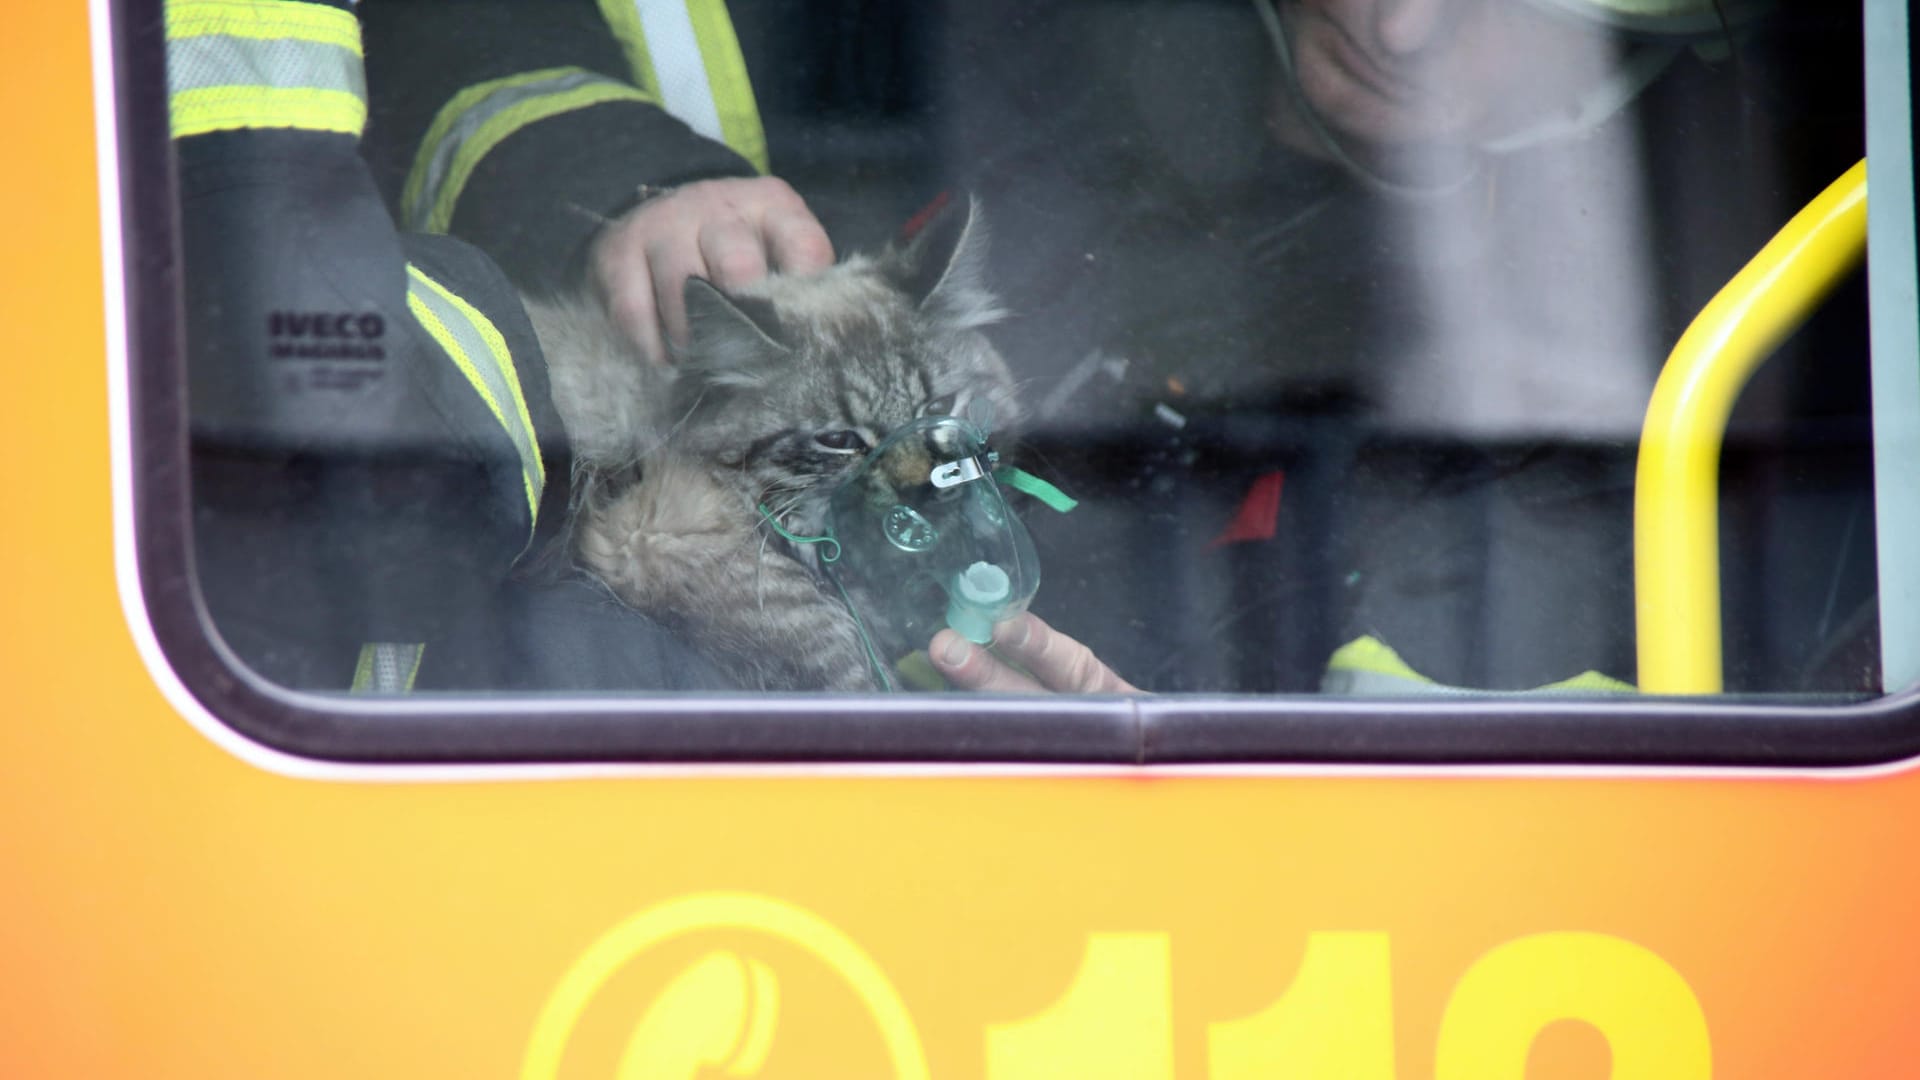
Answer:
(782, 389)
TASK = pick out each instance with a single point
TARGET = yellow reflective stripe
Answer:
(497, 344)
(727, 80)
(624, 20)
(266, 20)
(477, 120)
(414, 201)
(450, 319)
(387, 668)
(238, 64)
(721, 105)
(1592, 681)
(1371, 655)
(227, 108)
(1367, 665)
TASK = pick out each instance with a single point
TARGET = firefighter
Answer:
(375, 456)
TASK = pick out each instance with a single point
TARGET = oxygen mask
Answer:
(920, 536)
(926, 538)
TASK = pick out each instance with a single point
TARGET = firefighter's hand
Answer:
(1056, 662)
(730, 232)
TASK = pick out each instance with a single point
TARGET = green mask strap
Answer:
(826, 556)
(829, 557)
(1022, 480)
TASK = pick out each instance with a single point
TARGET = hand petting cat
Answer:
(1053, 661)
(731, 232)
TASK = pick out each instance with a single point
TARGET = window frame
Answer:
(701, 727)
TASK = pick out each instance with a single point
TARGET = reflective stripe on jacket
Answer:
(368, 409)
(1368, 667)
(682, 57)
(239, 64)
(243, 65)
(684, 53)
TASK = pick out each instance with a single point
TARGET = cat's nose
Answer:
(909, 465)
(945, 441)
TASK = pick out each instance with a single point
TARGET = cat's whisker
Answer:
(673, 429)
(684, 417)
(759, 567)
(797, 487)
(788, 506)
(594, 216)
(766, 536)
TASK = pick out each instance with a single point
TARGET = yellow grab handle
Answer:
(1676, 541)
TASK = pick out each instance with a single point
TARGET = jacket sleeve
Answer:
(523, 127)
(367, 411)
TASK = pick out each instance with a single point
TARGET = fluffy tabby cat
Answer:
(782, 389)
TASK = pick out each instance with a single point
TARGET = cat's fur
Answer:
(866, 346)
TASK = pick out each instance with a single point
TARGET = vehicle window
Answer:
(654, 356)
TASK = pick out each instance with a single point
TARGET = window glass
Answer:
(1262, 346)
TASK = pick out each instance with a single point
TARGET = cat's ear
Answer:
(944, 268)
(731, 340)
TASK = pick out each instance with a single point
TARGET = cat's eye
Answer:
(940, 406)
(844, 441)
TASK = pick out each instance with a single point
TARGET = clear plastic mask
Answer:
(926, 538)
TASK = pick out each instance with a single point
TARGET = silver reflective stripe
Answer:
(200, 63)
(487, 365)
(679, 66)
(387, 668)
(440, 162)
(238, 65)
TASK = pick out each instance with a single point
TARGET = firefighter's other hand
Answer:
(1055, 661)
(730, 232)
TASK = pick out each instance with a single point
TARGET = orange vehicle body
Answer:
(170, 906)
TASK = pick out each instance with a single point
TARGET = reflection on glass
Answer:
(1337, 317)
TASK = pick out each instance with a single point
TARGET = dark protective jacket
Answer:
(374, 452)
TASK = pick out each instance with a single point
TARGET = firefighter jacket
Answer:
(523, 127)
(375, 455)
